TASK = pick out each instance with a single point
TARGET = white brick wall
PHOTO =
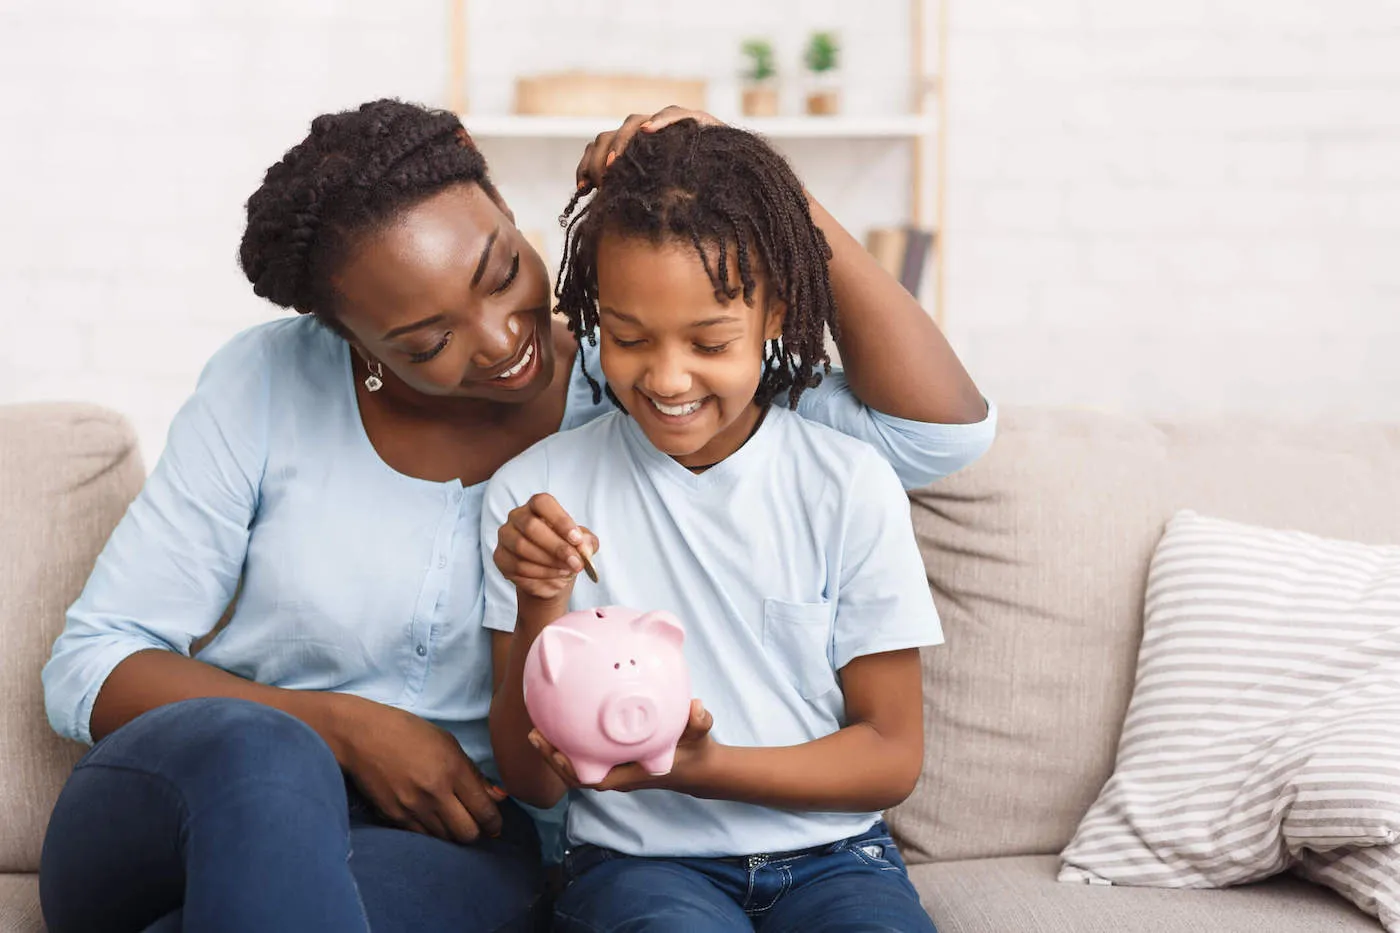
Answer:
(1185, 207)
(135, 131)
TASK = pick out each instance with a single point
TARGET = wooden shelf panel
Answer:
(510, 126)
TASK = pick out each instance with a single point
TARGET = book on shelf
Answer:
(903, 252)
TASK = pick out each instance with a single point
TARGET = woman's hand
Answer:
(687, 775)
(538, 548)
(414, 772)
(606, 147)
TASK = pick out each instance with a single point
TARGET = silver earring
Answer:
(373, 381)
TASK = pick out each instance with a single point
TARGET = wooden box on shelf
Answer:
(584, 94)
(760, 100)
(824, 102)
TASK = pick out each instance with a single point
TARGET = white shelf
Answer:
(510, 126)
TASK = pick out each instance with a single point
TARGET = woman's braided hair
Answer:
(356, 171)
(714, 188)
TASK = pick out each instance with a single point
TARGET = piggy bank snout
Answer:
(628, 718)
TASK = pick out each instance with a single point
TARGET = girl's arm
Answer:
(524, 773)
(535, 547)
(872, 764)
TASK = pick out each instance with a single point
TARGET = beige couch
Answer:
(1038, 556)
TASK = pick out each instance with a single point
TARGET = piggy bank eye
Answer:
(631, 662)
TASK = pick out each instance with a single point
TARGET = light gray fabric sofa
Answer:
(67, 473)
(1038, 556)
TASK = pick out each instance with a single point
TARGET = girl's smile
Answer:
(682, 362)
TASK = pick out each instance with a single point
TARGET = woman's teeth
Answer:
(676, 411)
(518, 367)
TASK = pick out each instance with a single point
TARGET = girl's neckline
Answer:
(367, 447)
(718, 473)
(757, 423)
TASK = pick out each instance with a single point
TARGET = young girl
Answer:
(786, 549)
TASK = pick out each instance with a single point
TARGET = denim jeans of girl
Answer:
(857, 884)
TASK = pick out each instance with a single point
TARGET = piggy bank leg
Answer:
(660, 764)
(590, 772)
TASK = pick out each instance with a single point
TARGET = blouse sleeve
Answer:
(172, 565)
(920, 452)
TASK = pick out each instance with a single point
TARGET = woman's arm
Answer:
(174, 560)
(153, 677)
(895, 358)
(171, 566)
(414, 772)
(167, 574)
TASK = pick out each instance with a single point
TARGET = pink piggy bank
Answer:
(610, 685)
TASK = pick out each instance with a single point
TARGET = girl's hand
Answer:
(693, 755)
(538, 548)
(606, 147)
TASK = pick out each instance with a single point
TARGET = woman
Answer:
(324, 764)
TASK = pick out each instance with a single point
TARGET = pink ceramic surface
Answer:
(610, 685)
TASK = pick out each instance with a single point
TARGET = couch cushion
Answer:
(67, 473)
(19, 904)
(1265, 724)
(1038, 559)
(1021, 895)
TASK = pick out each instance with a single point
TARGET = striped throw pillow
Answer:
(1368, 876)
(1264, 728)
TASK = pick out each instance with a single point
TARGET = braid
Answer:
(353, 173)
(713, 187)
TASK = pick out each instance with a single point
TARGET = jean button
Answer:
(422, 650)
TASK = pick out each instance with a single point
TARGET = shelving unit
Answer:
(510, 126)
(924, 128)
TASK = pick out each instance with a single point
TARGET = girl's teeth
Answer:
(676, 411)
(524, 361)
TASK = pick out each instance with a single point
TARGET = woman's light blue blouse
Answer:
(355, 578)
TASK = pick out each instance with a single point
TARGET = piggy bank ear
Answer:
(661, 624)
(556, 642)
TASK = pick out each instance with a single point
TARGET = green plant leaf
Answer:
(760, 55)
(823, 52)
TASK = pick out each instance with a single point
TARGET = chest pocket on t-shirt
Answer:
(795, 637)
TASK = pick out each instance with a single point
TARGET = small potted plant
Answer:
(760, 79)
(822, 58)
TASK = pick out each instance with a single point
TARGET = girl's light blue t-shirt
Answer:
(355, 578)
(785, 562)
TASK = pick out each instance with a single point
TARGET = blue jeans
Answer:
(225, 816)
(855, 884)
